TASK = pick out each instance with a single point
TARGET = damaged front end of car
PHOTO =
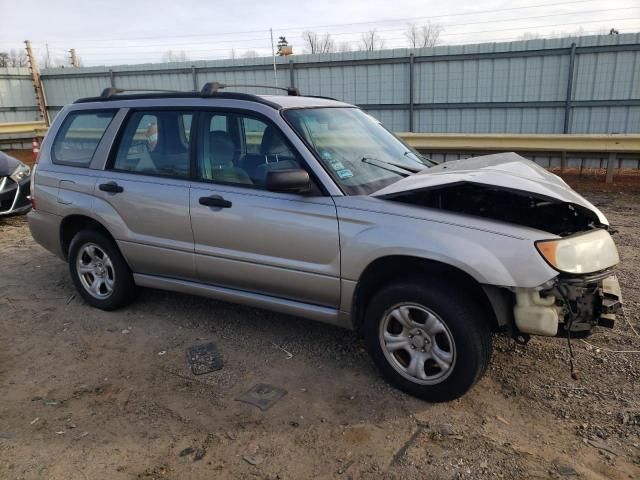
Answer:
(575, 238)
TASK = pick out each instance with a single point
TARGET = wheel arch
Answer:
(72, 224)
(384, 270)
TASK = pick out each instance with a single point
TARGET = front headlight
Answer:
(20, 173)
(583, 253)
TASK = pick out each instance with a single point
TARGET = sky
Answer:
(142, 31)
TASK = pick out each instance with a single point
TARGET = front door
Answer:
(279, 244)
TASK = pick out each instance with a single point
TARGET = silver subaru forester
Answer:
(310, 207)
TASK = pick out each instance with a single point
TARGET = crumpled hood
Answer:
(505, 170)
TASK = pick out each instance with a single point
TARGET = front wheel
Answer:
(427, 340)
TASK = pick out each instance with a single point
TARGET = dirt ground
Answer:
(86, 394)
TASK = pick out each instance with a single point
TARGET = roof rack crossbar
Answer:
(112, 91)
(211, 88)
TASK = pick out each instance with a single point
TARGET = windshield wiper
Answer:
(421, 158)
(403, 170)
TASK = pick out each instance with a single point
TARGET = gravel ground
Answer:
(87, 394)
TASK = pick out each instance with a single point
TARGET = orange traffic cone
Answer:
(36, 149)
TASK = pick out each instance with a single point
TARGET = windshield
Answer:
(359, 153)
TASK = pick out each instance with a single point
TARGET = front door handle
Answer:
(111, 187)
(215, 201)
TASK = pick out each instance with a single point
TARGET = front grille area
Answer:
(8, 192)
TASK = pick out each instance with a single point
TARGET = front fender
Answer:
(489, 257)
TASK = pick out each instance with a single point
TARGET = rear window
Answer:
(79, 137)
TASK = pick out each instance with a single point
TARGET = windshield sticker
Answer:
(326, 155)
(346, 173)
(336, 165)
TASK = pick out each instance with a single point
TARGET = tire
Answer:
(428, 340)
(104, 266)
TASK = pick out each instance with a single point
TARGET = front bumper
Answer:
(574, 304)
(15, 197)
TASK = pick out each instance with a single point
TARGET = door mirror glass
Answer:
(289, 180)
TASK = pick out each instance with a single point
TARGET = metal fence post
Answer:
(194, 76)
(411, 71)
(610, 167)
(567, 100)
(292, 77)
(111, 79)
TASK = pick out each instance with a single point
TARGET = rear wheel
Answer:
(428, 340)
(99, 271)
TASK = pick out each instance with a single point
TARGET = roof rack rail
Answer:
(112, 91)
(211, 88)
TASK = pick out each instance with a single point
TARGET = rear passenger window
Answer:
(79, 137)
(156, 143)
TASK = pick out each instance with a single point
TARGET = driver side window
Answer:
(240, 149)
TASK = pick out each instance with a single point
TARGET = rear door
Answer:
(279, 244)
(146, 186)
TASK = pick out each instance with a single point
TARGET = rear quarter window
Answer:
(79, 136)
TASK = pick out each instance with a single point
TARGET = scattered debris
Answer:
(7, 436)
(162, 353)
(200, 453)
(602, 446)
(400, 454)
(262, 396)
(71, 298)
(204, 358)
(289, 354)
(186, 451)
(126, 331)
(503, 420)
(34, 421)
(230, 435)
(345, 467)
(61, 432)
(253, 460)
(565, 470)
(50, 402)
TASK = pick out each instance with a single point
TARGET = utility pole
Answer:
(273, 54)
(37, 85)
(48, 65)
(74, 58)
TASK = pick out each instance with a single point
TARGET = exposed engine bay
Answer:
(499, 203)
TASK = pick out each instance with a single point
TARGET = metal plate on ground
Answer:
(204, 358)
(262, 396)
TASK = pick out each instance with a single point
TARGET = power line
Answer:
(529, 27)
(370, 22)
(445, 26)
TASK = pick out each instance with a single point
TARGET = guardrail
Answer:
(586, 143)
(21, 131)
(562, 144)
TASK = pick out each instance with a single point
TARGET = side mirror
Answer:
(290, 180)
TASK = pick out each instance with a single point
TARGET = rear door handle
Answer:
(215, 201)
(111, 187)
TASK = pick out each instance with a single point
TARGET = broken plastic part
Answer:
(534, 314)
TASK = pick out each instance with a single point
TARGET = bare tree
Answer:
(371, 41)
(529, 36)
(171, 56)
(344, 47)
(250, 54)
(14, 58)
(318, 43)
(427, 35)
